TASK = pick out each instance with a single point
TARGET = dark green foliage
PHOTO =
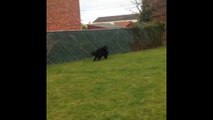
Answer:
(145, 13)
(84, 26)
(148, 35)
(145, 16)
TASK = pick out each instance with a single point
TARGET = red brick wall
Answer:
(94, 27)
(63, 15)
(123, 24)
(158, 8)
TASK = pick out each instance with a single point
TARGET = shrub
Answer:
(147, 35)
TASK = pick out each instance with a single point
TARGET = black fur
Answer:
(103, 51)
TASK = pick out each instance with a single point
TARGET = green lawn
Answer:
(130, 86)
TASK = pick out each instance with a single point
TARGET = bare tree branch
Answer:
(137, 4)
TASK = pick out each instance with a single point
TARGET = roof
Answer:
(117, 18)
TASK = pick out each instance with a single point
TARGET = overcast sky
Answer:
(92, 9)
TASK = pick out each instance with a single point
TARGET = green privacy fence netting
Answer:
(66, 46)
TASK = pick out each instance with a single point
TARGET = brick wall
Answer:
(63, 15)
(94, 27)
(123, 24)
(158, 8)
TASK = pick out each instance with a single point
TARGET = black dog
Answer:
(103, 51)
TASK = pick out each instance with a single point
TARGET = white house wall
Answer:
(113, 22)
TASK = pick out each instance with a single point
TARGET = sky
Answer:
(92, 9)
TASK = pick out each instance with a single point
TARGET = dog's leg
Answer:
(99, 58)
(95, 58)
(105, 56)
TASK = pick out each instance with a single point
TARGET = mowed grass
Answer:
(130, 86)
